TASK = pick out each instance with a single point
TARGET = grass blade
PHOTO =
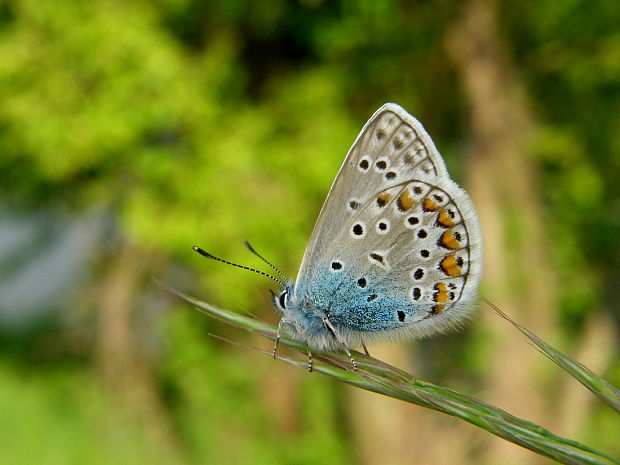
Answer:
(599, 387)
(379, 377)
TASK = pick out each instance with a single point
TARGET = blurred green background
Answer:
(130, 131)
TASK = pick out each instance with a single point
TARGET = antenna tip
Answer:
(202, 252)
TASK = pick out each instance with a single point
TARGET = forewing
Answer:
(392, 147)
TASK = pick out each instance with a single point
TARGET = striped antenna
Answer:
(247, 244)
(213, 257)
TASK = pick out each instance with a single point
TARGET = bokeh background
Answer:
(130, 131)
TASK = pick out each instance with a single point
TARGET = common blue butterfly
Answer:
(396, 251)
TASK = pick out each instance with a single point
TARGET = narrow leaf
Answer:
(599, 387)
(379, 377)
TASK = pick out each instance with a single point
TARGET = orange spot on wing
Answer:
(441, 294)
(405, 201)
(429, 205)
(450, 266)
(448, 240)
(444, 219)
(437, 309)
(383, 199)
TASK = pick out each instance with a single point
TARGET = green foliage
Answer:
(64, 416)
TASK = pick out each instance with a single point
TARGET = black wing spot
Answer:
(381, 164)
(336, 266)
(422, 234)
(358, 229)
(361, 282)
(439, 198)
(354, 204)
(418, 274)
(413, 220)
(425, 253)
(401, 316)
(364, 164)
(372, 297)
(377, 257)
(390, 175)
(382, 226)
(417, 293)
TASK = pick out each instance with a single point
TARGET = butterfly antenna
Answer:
(213, 257)
(247, 244)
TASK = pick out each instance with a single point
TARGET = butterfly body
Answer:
(396, 251)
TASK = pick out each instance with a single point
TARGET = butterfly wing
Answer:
(397, 246)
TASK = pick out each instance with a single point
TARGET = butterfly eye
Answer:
(282, 299)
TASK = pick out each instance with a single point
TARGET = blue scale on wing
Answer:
(371, 307)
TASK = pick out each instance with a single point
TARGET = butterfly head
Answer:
(286, 303)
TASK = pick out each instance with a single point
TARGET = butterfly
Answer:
(396, 251)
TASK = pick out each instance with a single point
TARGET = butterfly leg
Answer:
(365, 349)
(309, 357)
(329, 325)
(278, 334)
